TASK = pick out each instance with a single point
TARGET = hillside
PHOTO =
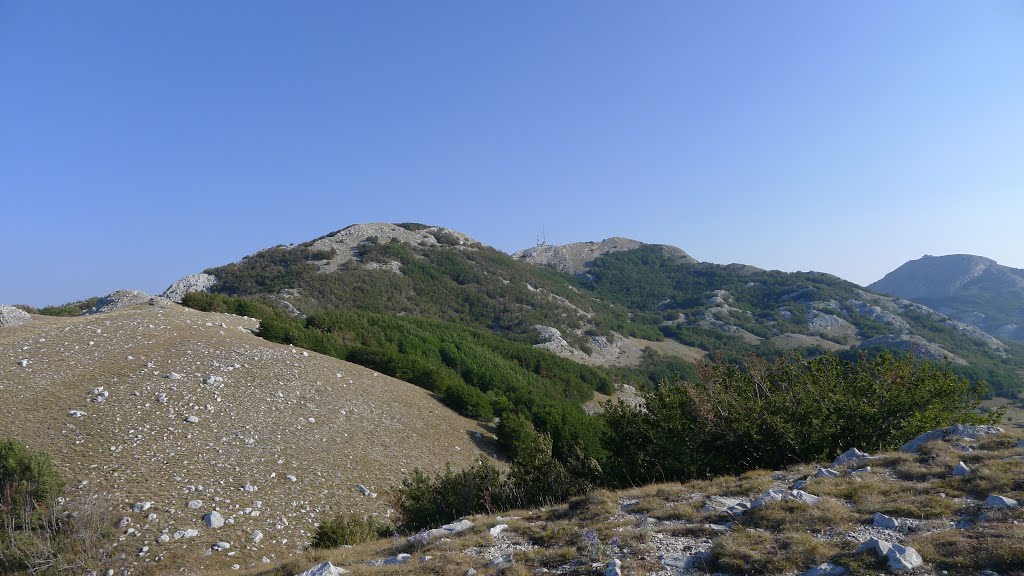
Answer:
(737, 309)
(970, 289)
(949, 505)
(600, 303)
(281, 438)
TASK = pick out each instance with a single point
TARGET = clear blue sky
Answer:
(141, 141)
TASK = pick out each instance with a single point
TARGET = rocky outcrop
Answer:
(191, 283)
(123, 299)
(915, 344)
(577, 258)
(11, 316)
(344, 243)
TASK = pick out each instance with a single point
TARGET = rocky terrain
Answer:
(578, 257)
(213, 448)
(947, 503)
(970, 289)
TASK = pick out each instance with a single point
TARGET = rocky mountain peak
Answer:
(933, 276)
(578, 257)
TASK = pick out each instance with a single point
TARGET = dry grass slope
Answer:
(269, 414)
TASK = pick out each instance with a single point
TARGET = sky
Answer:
(143, 141)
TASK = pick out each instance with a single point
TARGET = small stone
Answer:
(826, 569)
(76, 413)
(961, 469)
(851, 456)
(883, 521)
(291, 478)
(163, 539)
(141, 506)
(174, 376)
(192, 419)
(256, 536)
(397, 559)
(221, 546)
(195, 504)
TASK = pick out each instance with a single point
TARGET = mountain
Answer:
(602, 303)
(281, 436)
(971, 289)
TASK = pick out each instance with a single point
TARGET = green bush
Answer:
(348, 529)
(769, 415)
(29, 486)
(423, 501)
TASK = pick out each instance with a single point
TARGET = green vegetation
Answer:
(76, 308)
(347, 530)
(770, 414)
(39, 531)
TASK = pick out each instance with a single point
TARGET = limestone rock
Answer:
(826, 569)
(961, 469)
(214, 519)
(851, 456)
(883, 521)
(994, 501)
(325, 569)
(956, 431)
(11, 316)
(191, 283)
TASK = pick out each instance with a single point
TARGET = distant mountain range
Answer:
(971, 289)
(602, 303)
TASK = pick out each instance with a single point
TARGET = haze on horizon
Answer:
(144, 141)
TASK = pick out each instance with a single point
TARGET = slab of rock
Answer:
(425, 536)
(397, 559)
(325, 569)
(825, 473)
(883, 521)
(994, 501)
(851, 456)
(826, 569)
(613, 568)
(11, 316)
(780, 494)
(955, 431)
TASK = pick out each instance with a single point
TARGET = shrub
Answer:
(348, 529)
(770, 415)
(423, 501)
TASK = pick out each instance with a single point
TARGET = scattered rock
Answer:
(141, 506)
(221, 546)
(397, 559)
(256, 536)
(76, 413)
(825, 473)
(366, 492)
(195, 504)
(780, 494)
(955, 431)
(614, 568)
(174, 376)
(163, 539)
(192, 419)
(498, 529)
(214, 519)
(425, 536)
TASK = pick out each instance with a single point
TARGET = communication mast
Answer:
(542, 238)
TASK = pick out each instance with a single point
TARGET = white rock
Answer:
(221, 546)
(141, 506)
(192, 419)
(23, 362)
(899, 557)
(498, 529)
(961, 469)
(826, 569)
(195, 504)
(994, 501)
(956, 431)
(397, 559)
(325, 569)
(76, 413)
(11, 316)
(613, 568)
(163, 539)
(256, 536)
(851, 456)
(214, 519)
(825, 473)
(883, 521)
(174, 376)
(291, 478)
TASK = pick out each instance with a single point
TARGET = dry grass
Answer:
(367, 428)
(790, 515)
(997, 547)
(989, 477)
(869, 494)
(752, 483)
(757, 552)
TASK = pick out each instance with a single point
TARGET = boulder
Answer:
(613, 568)
(214, 519)
(994, 501)
(825, 473)
(11, 316)
(397, 559)
(325, 569)
(883, 521)
(898, 556)
(851, 456)
(780, 494)
(955, 431)
(961, 469)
